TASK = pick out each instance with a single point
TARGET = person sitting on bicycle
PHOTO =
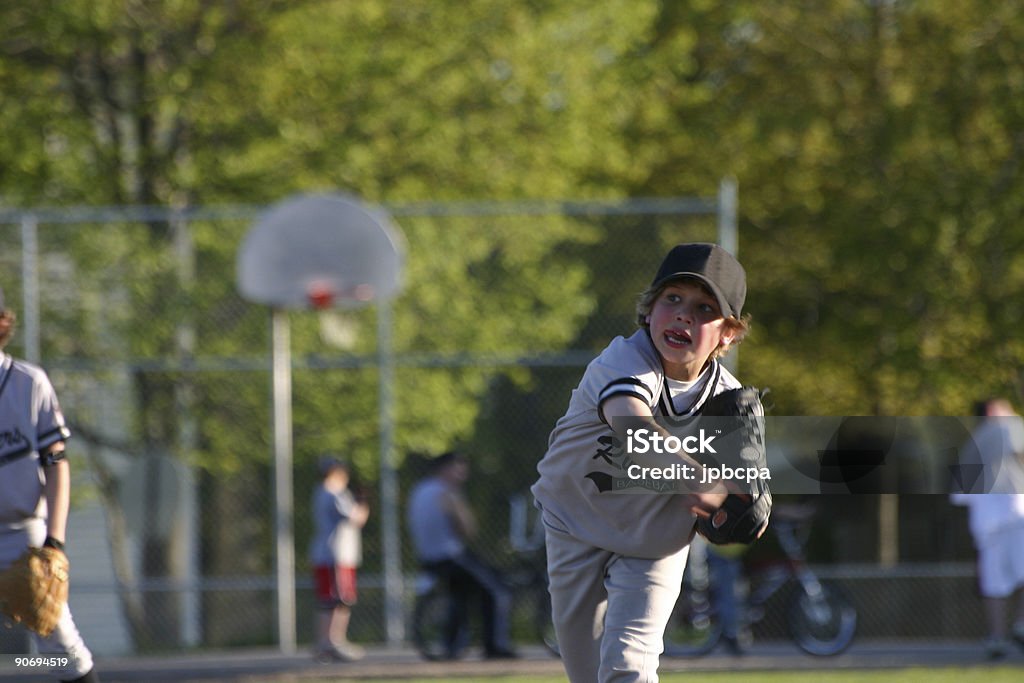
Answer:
(441, 525)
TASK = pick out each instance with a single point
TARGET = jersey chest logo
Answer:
(12, 443)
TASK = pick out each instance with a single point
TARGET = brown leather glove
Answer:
(34, 590)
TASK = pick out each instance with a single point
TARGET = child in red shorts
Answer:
(335, 552)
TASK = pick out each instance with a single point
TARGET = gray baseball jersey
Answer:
(575, 488)
(30, 422)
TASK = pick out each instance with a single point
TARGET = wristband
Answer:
(53, 457)
(52, 542)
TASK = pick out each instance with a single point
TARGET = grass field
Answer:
(980, 674)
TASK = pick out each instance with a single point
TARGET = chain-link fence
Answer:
(164, 374)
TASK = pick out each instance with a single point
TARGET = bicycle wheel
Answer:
(430, 620)
(823, 624)
(694, 628)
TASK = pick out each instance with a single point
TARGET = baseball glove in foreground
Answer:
(742, 517)
(34, 590)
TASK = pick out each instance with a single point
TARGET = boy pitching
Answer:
(615, 562)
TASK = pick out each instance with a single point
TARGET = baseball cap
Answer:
(712, 265)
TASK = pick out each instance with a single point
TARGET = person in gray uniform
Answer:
(35, 486)
(615, 560)
(441, 525)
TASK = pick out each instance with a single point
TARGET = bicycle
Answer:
(526, 579)
(822, 620)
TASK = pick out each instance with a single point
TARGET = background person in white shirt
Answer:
(995, 501)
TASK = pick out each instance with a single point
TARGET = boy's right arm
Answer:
(700, 503)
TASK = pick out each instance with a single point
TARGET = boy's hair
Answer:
(739, 327)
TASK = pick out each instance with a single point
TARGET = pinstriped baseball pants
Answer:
(610, 611)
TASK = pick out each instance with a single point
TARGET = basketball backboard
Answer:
(320, 251)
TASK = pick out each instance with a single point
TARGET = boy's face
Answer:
(686, 326)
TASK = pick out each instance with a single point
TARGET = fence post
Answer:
(728, 239)
(30, 292)
(188, 562)
(728, 202)
(391, 540)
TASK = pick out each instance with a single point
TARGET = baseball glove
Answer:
(743, 516)
(34, 590)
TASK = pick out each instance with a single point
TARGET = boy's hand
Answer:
(740, 519)
(706, 503)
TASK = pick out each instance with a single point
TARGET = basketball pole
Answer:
(283, 496)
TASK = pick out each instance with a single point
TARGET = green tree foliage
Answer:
(194, 103)
(877, 145)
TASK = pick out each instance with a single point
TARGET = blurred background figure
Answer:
(335, 553)
(725, 565)
(442, 525)
(991, 462)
